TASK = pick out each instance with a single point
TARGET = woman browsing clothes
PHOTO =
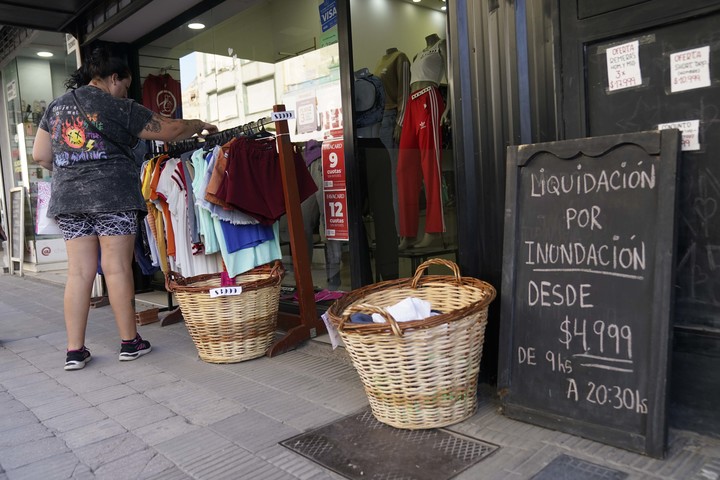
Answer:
(85, 138)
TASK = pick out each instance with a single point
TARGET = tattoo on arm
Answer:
(153, 125)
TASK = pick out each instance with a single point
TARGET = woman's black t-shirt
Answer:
(90, 174)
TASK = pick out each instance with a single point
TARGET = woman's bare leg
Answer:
(82, 267)
(117, 258)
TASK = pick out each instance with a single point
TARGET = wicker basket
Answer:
(421, 373)
(229, 329)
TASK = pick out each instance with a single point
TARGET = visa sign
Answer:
(328, 14)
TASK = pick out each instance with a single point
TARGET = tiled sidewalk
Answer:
(169, 415)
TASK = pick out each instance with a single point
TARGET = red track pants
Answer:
(418, 159)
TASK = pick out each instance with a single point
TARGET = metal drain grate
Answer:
(360, 447)
(565, 467)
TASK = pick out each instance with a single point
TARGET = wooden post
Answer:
(309, 320)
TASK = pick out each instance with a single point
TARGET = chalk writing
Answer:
(592, 182)
(586, 266)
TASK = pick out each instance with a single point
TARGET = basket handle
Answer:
(367, 308)
(172, 279)
(436, 261)
(278, 270)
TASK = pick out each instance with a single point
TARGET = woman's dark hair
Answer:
(100, 63)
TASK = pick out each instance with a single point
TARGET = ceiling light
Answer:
(416, 1)
(44, 54)
(196, 26)
(443, 8)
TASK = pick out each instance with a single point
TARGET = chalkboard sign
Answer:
(17, 224)
(587, 286)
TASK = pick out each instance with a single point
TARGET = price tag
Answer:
(288, 115)
(225, 291)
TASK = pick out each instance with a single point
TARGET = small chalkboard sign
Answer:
(587, 286)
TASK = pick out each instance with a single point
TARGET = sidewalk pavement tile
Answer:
(87, 381)
(57, 467)
(23, 380)
(55, 409)
(116, 407)
(107, 394)
(164, 430)
(110, 449)
(92, 433)
(253, 431)
(75, 419)
(140, 417)
(11, 406)
(18, 455)
(19, 419)
(143, 464)
(201, 409)
(295, 465)
(152, 380)
(172, 474)
(24, 434)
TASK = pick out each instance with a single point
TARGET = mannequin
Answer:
(394, 71)
(374, 163)
(313, 215)
(369, 104)
(419, 156)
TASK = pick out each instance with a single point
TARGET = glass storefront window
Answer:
(280, 52)
(405, 151)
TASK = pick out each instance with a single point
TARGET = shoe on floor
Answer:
(132, 349)
(76, 359)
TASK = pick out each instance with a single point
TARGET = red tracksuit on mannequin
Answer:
(419, 156)
(418, 159)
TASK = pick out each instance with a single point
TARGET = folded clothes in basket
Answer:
(411, 308)
(361, 318)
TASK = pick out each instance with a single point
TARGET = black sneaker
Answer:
(76, 359)
(132, 349)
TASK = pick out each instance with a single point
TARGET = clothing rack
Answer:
(182, 146)
(308, 325)
(195, 143)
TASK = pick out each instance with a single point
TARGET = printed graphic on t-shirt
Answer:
(166, 103)
(73, 134)
(83, 143)
(162, 95)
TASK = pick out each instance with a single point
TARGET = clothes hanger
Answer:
(262, 133)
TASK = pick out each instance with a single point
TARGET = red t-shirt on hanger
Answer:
(161, 94)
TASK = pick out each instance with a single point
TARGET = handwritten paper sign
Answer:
(623, 66)
(690, 69)
(690, 130)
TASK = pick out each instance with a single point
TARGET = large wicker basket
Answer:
(421, 373)
(229, 329)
